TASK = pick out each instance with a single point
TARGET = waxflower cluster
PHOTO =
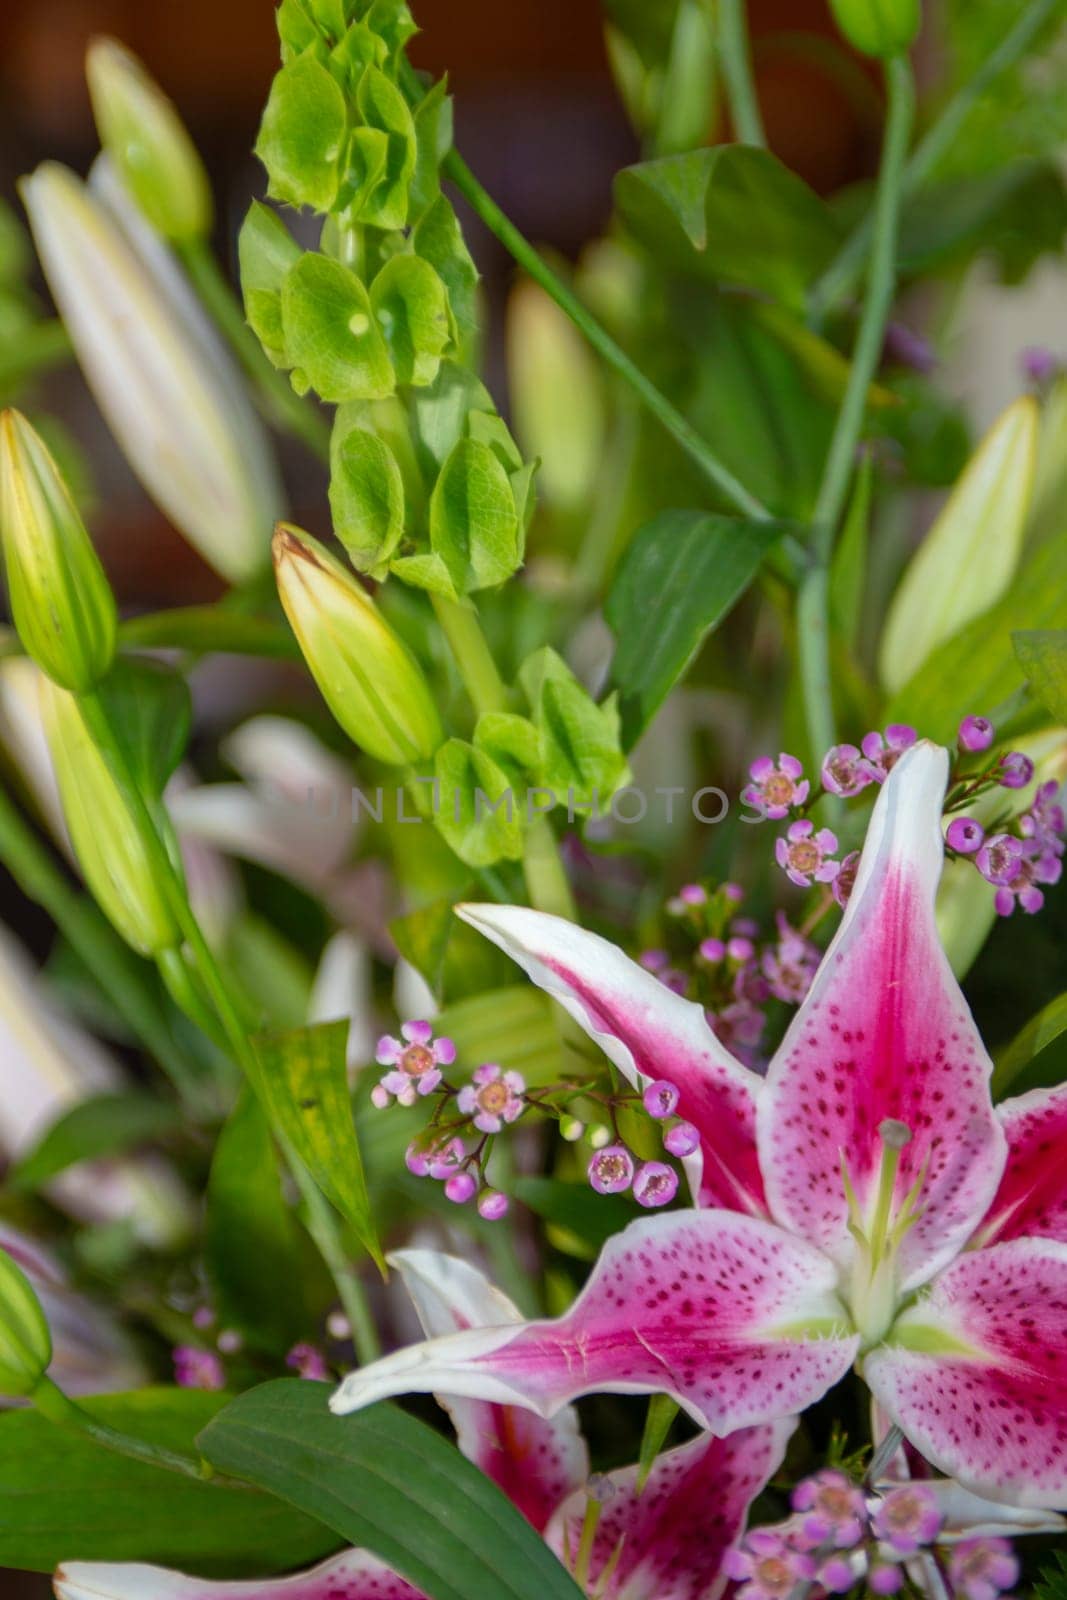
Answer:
(840, 1536)
(1016, 853)
(203, 1365)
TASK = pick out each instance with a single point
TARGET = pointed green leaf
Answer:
(474, 524)
(366, 498)
(103, 1126)
(478, 812)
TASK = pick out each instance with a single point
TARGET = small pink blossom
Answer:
(611, 1170)
(460, 1187)
(908, 1518)
(805, 854)
(776, 787)
(739, 1026)
(965, 835)
(417, 1161)
(836, 1575)
(416, 1060)
(681, 1140)
(654, 960)
(446, 1158)
(493, 1098)
(845, 771)
(833, 1509)
(1045, 822)
(197, 1369)
(655, 1184)
(981, 1569)
(1035, 867)
(693, 894)
(975, 733)
(712, 951)
(791, 965)
(884, 1579)
(492, 1205)
(660, 1099)
(1015, 770)
(767, 1566)
(739, 948)
(883, 751)
(1000, 858)
(308, 1362)
(845, 881)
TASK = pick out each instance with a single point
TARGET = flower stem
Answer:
(735, 55)
(277, 399)
(58, 1407)
(840, 277)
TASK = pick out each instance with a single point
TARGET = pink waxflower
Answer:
(197, 1369)
(654, 960)
(660, 1099)
(981, 1569)
(767, 1566)
(1000, 858)
(308, 1362)
(845, 880)
(975, 733)
(493, 1098)
(712, 951)
(845, 770)
(1045, 823)
(739, 1026)
(1034, 867)
(681, 1140)
(908, 1518)
(655, 1184)
(492, 1205)
(883, 751)
(1015, 770)
(445, 1159)
(791, 965)
(460, 1188)
(416, 1060)
(833, 1510)
(776, 787)
(805, 854)
(964, 835)
(611, 1170)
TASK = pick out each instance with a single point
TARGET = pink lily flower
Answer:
(667, 1542)
(864, 1201)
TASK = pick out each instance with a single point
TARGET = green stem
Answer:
(472, 655)
(278, 401)
(210, 628)
(813, 603)
(735, 55)
(58, 1407)
(841, 275)
(91, 937)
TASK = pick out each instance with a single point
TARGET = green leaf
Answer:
(331, 333)
(64, 1496)
(1052, 1580)
(1042, 655)
(411, 305)
(250, 1238)
(366, 498)
(422, 938)
(384, 201)
(580, 758)
(304, 1082)
(433, 140)
(734, 214)
(426, 571)
(441, 411)
(474, 524)
(1024, 1051)
(679, 577)
(662, 1411)
(149, 706)
(387, 1483)
(513, 743)
(266, 250)
(302, 136)
(103, 1126)
(513, 1025)
(574, 1206)
(438, 239)
(478, 813)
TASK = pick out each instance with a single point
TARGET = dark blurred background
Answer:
(536, 116)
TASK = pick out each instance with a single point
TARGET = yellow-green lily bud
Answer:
(61, 601)
(878, 27)
(148, 142)
(25, 1342)
(115, 858)
(368, 676)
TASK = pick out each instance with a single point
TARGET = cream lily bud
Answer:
(165, 384)
(368, 677)
(61, 601)
(115, 858)
(25, 1342)
(148, 143)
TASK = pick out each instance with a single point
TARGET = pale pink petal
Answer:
(1032, 1198)
(976, 1372)
(535, 1461)
(353, 1575)
(649, 1033)
(885, 1033)
(729, 1315)
(675, 1532)
(970, 1516)
(417, 1032)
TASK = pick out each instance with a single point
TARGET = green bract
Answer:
(331, 334)
(25, 1342)
(478, 811)
(580, 748)
(266, 250)
(474, 522)
(366, 498)
(302, 137)
(411, 305)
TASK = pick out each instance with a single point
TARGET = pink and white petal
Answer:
(970, 1516)
(648, 1033)
(536, 1461)
(975, 1373)
(735, 1319)
(353, 1575)
(885, 1033)
(1032, 1198)
(674, 1532)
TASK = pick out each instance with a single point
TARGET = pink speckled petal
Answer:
(648, 1033)
(975, 1373)
(537, 1462)
(1032, 1198)
(731, 1316)
(885, 1033)
(353, 1575)
(675, 1532)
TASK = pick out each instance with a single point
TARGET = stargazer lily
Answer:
(663, 1542)
(865, 1202)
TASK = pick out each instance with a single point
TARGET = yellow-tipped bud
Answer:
(60, 599)
(25, 1342)
(368, 677)
(148, 142)
(107, 835)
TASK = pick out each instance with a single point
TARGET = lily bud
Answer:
(368, 676)
(25, 1342)
(115, 858)
(148, 143)
(878, 27)
(62, 604)
(165, 384)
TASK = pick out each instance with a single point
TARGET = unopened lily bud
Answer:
(878, 27)
(148, 142)
(368, 677)
(25, 1342)
(108, 838)
(166, 385)
(62, 604)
